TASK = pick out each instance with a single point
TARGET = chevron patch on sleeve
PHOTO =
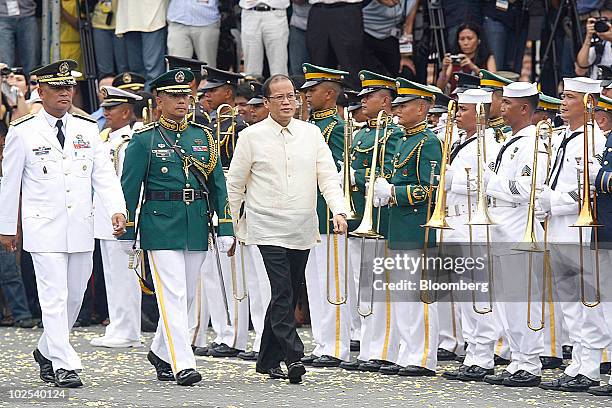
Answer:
(526, 171)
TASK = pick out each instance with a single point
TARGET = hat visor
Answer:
(438, 109)
(63, 82)
(310, 84)
(106, 104)
(606, 83)
(212, 85)
(403, 99)
(132, 87)
(255, 101)
(353, 108)
(367, 91)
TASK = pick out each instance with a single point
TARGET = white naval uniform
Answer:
(56, 186)
(122, 287)
(481, 331)
(509, 188)
(565, 248)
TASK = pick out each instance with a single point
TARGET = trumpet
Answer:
(529, 242)
(481, 215)
(366, 228)
(588, 206)
(224, 112)
(352, 215)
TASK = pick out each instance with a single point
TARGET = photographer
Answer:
(14, 87)
(596, 48)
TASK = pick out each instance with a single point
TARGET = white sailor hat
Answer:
(520, 90)
(581, 84)
(115, 96)
(475, 96)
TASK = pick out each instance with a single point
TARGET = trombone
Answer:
(238, 297)
(224, 112)
(147, 113)
(352, 215)
(588, 209)
(481, 215)
(529, 242)
(366, 228)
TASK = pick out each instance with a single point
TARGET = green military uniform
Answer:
(411, 175)
(332, 128)
(363, 146)
(174, 215)
(493, 82)
(548, 103)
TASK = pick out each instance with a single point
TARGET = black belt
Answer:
(262, 7)
(334, 5)
(186, 195)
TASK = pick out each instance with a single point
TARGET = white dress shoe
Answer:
(113, 343)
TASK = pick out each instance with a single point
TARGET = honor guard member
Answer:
(122, 286)
(560, 201)
(219, 90)
(331, 325)
(196, 112)
(174, 163)
(495, 83)
(481, 331)
(53, 162)
(436, 118)
(548, 109)
(603, 186)
(129, 81)
(376, 95)
(407, 192)
(256, 108)
(509, 184)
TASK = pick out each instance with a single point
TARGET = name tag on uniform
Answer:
(161, 152)
(200, 148)
(80, 143)
(39, 151)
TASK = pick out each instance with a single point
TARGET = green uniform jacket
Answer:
(332, 128)
(173, 224)
(361, 160)
(411, 179)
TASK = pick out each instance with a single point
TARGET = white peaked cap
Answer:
(116, 92)
(520, 90)
(581, 84)
(475, 96)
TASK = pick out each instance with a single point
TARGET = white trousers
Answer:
(265, 31)
(199, 314)
(258, 287)
(511, 274)
(332, 323)
(235, 334)
(183, 40)
(61, 279)
(175, 275)
(123, 293)
(449, 320)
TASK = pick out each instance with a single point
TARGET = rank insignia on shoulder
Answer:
(22, 119)
(87, 118)
(39, 151)
(199, 148)
(526, 171)
(599, 158)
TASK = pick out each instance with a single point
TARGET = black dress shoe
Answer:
(307, 360)
(26, 323)
(223, 350)
(522, 378)
(555, 385)
(210, 347)
(355, 345)
(162, 368)
(188, 376)
(580, 383)
(550, 363)
(277, 373)
(604, 368)
(416, 371)
(497, 379)
(326, 361)
(602, 391)
(82, 323)
(295, 371)
(248, 355)
(351, 365)
(391, 369)
(372, 366)
(46, 367)
(40, 324)
(453, 374)
(497, 360)
(146, 325)
(445, 355)
(199, 351)
(567, 352)
(460, 359)
(67, 379)
(475, 373)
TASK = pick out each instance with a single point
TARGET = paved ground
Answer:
(123, 378)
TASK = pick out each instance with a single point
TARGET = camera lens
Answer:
(601, 26)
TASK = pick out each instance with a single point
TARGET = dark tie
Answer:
(60, 134)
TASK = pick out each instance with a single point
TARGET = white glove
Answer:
(382, 192)
(543, 199)
(341, 175)
(224, 243)
(126, 246)
(594, 167)
(539, 213)
(486, 175)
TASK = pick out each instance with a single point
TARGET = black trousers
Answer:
(381, 56)
(280, 340)
(334, 37)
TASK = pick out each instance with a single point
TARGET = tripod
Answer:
(569, 12)
(87, 49)
(433, 47)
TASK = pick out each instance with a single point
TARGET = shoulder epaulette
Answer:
(22, 119)
(87, 118)
(144, 128)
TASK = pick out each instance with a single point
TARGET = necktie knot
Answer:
(59, 124)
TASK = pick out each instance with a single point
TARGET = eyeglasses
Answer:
(280, 98)
(33, 82)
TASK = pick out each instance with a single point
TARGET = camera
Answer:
(5, 71)
(602, 24)
(456, 59)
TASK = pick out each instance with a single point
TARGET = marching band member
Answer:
(122, 287)
(494, 83)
